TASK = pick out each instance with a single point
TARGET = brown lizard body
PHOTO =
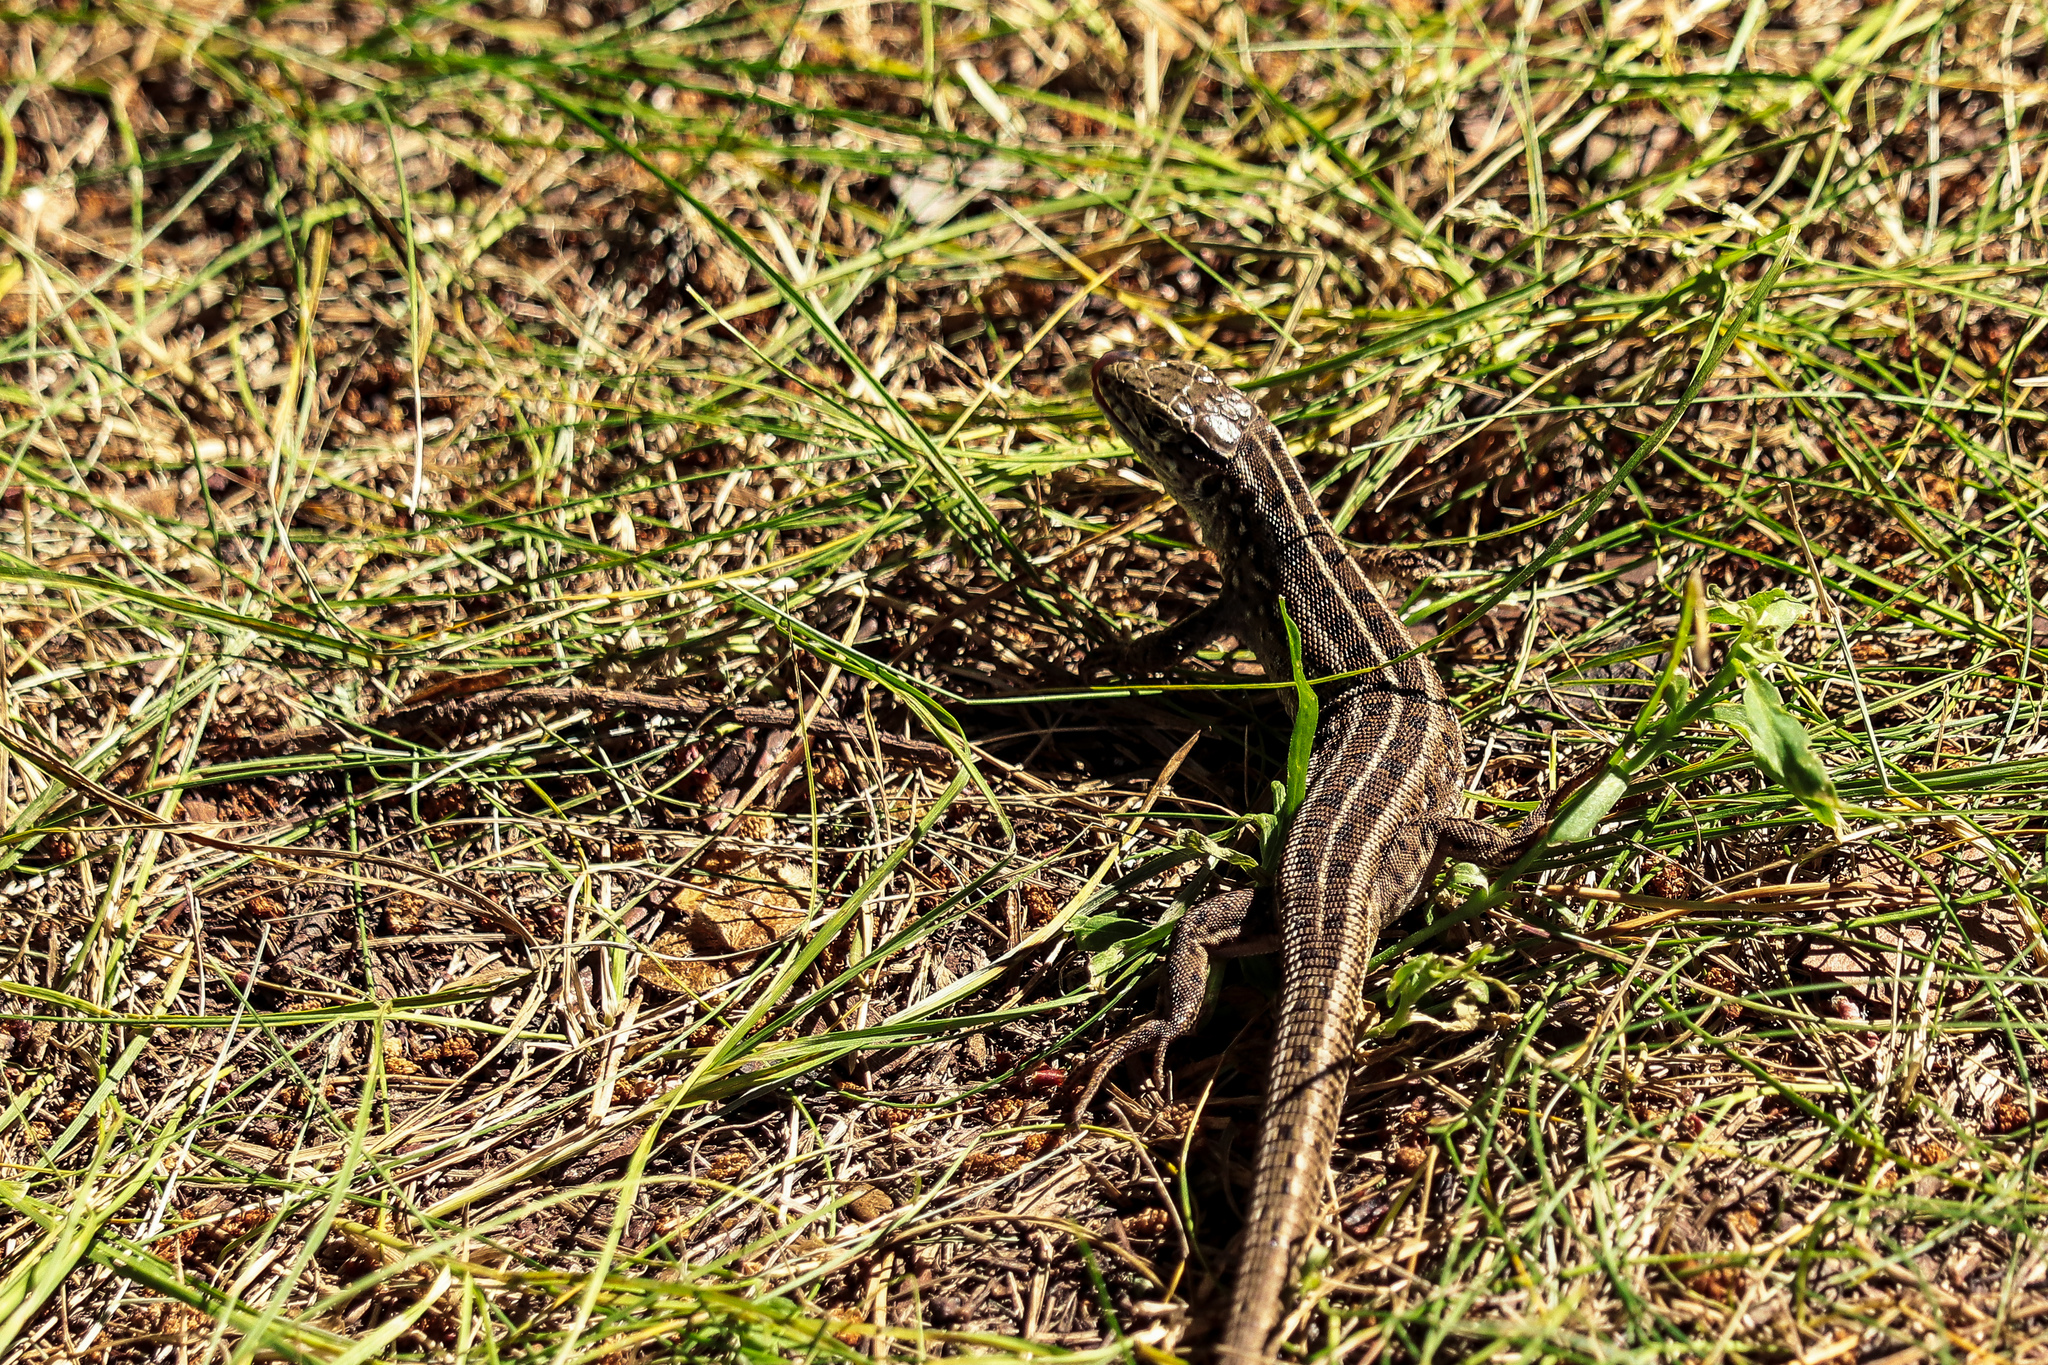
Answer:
(1379, 814)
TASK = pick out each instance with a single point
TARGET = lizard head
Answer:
(1184, 425)
(1173, 412)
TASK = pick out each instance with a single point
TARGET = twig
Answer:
(451, 715)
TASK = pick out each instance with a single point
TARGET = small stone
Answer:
(869, 1203)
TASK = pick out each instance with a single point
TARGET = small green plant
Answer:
(1777, 739)
(1424, 975)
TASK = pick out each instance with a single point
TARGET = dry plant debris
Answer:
(392, 396)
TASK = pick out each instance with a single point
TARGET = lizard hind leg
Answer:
(1475, 841)
(1208, 925)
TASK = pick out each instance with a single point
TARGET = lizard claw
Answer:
(1153, 1035)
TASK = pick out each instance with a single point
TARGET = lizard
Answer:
(1379, 815)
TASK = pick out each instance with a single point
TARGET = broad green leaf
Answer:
(1760, 622)
(1778, 739)
(1782, 746)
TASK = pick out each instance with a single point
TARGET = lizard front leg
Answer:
(1163, 648)
(1207, 926)
(1403, 568)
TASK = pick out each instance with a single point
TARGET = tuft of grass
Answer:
(551, 813)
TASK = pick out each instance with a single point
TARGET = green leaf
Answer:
(1781, 741)
(1760, 622)
(1114, 940)
(1272, 828)
(1778, 739)
(1194, 841)
(1306, 712)
(1782, 747)
(1114, 937)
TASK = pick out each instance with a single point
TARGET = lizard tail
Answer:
(1305, 1095)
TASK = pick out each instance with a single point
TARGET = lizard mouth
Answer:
(1121, 356)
